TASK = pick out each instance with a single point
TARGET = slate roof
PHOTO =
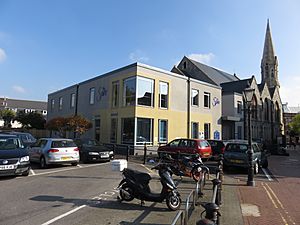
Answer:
(272, 90)
(235, 86)
(25, 104)
(215, 75)
(290, 109)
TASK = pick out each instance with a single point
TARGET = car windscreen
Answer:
(204, 144)
(7, 143)
(62, 144)
(236, 148)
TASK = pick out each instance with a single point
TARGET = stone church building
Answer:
(266, 117)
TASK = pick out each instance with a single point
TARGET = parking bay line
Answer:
(63, 215)
(267, 174)
(67, 169)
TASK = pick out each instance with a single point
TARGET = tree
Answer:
(7, 115)
(58, 124)
(295, 125)
(31, 120)
(78, 124)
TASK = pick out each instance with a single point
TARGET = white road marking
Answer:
(32, 172)
(79, 166)
(67, 169)
(267, 175)
(63, 215)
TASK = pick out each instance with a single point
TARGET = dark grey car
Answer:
(235, 155)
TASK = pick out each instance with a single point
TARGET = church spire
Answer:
(269, 64)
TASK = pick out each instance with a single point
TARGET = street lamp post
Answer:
(249, 92)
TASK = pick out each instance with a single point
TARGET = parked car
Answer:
(235, 155)
(217, 147)
(54, 151)
(92, 150)
(26, 138)
(14, 158)
(187, 146)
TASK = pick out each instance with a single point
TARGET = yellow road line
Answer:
(270, 197)
(280, 204)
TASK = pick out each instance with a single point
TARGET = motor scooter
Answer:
(135, 184)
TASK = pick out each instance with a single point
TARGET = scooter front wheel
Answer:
(173, 201)
(126, 193)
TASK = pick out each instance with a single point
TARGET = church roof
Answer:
(215, 75)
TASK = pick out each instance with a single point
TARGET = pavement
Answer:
(246, 205)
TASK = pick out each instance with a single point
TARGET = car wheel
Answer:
(43, 163)
(74, 164)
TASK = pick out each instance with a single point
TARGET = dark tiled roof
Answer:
(235, 86)
(215, 75)
(260, 87)
(26, 104)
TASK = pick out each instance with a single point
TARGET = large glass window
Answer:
(163, 131)
(113, 130)
(92, 96)
(72, 100)
(60, 103)
(144, 130)
(145, 91)
(195, 97)
(115, 94)
(207, 131)
(163, 94)
(195, 130)
(206, 100)
(129, 91)
(127, 130)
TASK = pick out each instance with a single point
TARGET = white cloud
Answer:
(138, 56)
(203, 58)
(18, 89)
(2, 55)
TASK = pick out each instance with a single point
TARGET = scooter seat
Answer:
(141, 177)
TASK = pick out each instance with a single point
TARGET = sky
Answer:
(52, 44)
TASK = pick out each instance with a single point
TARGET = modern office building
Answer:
(139, 103)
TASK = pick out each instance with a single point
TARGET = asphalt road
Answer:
(84, 194)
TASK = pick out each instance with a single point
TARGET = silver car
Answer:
(54, 151)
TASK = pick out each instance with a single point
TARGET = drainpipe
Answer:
(76, 100)
(188, 107)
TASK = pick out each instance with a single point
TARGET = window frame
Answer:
(193, 131)
(196, 96)
(72, 100)
(206, 96)
(92, 96)
(160, 95)
(159, 131)
(60, 103)
(115, 94)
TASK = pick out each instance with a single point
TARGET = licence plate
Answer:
(104, 156)
(65, 158)
(236, 161)
(7, 167)
(206, 153)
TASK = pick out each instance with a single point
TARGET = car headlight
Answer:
(93, 153)
(111, 152)
(24, 159)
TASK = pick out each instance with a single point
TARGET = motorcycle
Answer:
(135, 184)
(189, 166)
